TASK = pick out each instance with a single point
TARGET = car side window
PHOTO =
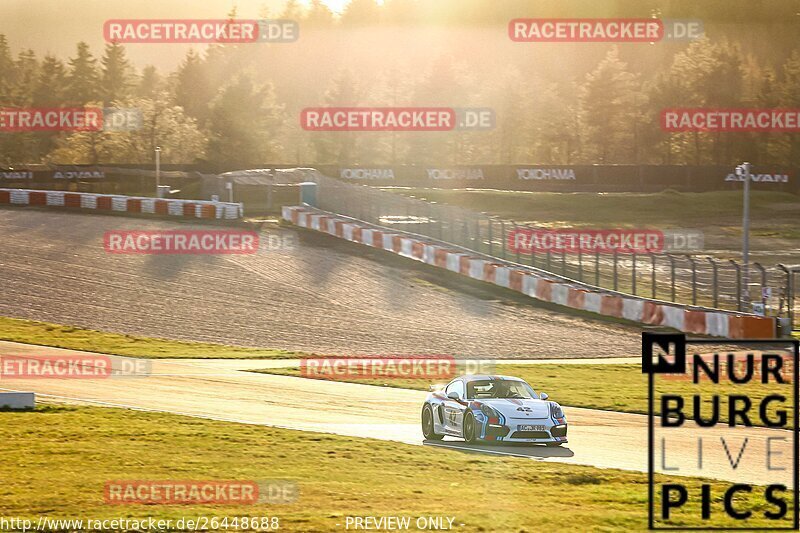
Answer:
(458, 386)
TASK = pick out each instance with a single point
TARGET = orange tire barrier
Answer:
(440, 257)
(611, 306)
(694, 321)
(489, 270)
(463, 265)
(515, 280)
(576, 298)
(652, 314)
(208, 211)
(37, 198)
(418, 250)
(544, 290)
(72, 199)
(104, 202)
(747, 327)
(134, 205)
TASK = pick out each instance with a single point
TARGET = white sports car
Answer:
(493, 408)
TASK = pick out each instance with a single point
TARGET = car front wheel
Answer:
(470, 429)
(427, 424)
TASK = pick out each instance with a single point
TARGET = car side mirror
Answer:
(453, 395)
(543, 396)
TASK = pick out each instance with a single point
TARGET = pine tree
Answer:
(83, 79)
(149, 84)
(117, 79)
(360, 13)
(192, 89)
(51, 84)
(607, 115)
(244, 123)
(318, 16)
(7, 67)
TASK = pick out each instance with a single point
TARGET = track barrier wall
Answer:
(196, 209)
(684, 318)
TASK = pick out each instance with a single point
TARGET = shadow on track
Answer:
(535, 451)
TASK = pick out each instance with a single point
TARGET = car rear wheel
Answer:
(427, 424)
(470, 429)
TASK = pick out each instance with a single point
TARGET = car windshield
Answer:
(499, 389)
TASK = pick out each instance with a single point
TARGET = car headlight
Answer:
(556, 411)
(488, 411)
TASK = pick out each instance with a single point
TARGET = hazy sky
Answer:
(57, 25)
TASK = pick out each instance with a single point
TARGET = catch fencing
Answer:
(682, 278)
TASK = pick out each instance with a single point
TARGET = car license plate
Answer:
(528, 427)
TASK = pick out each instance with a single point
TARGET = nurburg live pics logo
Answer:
(748, 443)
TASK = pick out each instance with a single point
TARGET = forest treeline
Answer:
(238, 106)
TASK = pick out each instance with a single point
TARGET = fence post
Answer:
(714, 280)
(672, 275)
(633, 274)
(563, 261)
(694, 278)
(653, 274)
(615, 270)
(596, 267)
(491, 244)
(478, 238)
(516, 241)
(503, 237)
(763, 283)
(580, 264)
(738, 284)
(789, 294)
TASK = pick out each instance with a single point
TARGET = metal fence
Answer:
(689, 279)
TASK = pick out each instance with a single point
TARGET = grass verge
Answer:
(75, 338)
(60, 471)
(664, 209)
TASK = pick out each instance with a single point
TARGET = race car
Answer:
(493, 409)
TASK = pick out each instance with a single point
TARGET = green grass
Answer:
(668, 209)
(75, 338)
(59, 470)
(599, 386)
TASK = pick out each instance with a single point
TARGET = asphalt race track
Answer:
(203, 389)
(320, 296)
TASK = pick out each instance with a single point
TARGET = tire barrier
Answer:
(124, 204)
(684, 318)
